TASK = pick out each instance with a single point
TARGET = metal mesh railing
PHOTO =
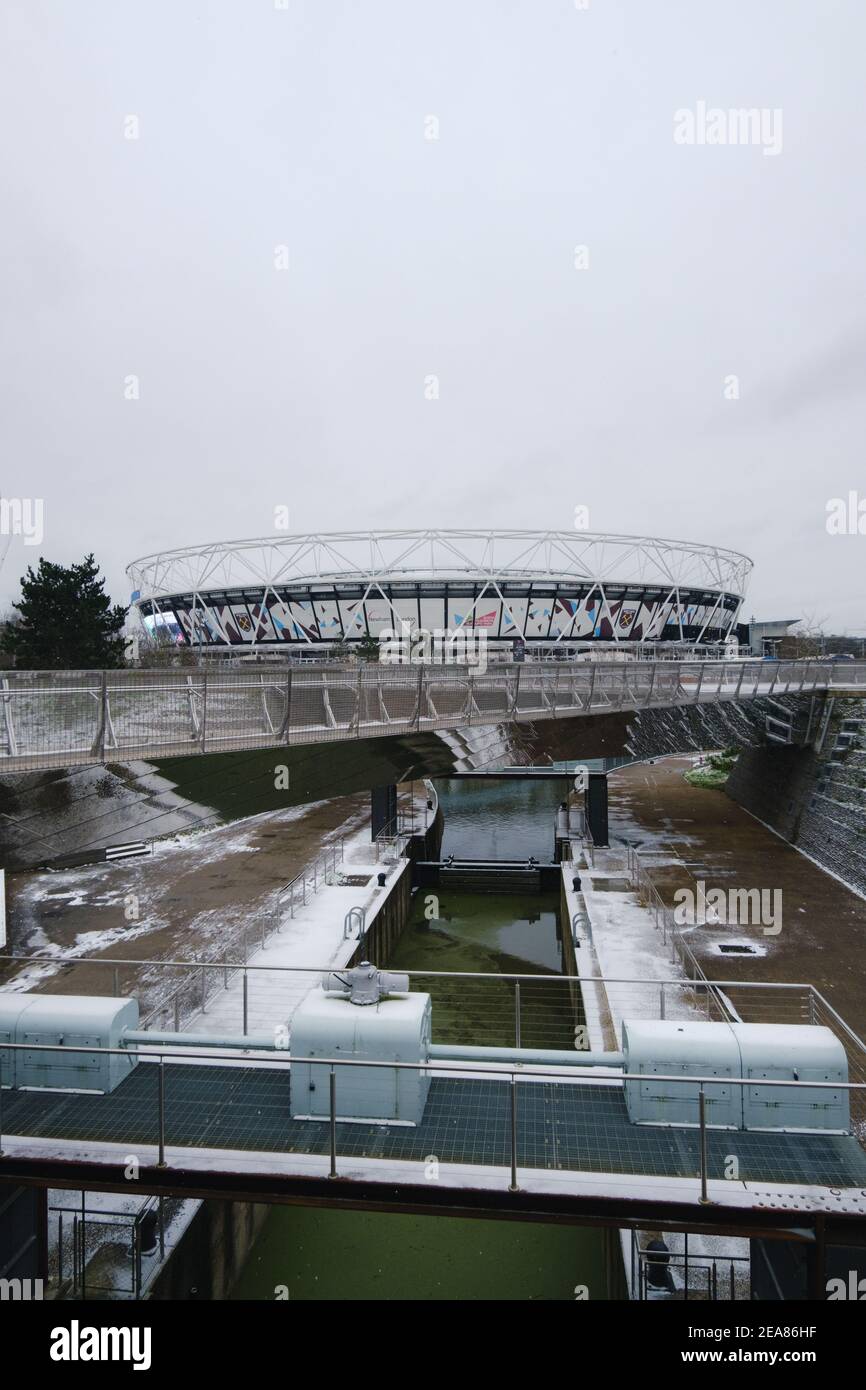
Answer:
(493, 1116)
(64, 718)
(529, 1010)
(99, 1248)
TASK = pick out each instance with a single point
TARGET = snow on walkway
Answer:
(308, 943)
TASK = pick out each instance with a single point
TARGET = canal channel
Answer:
(306, 1254)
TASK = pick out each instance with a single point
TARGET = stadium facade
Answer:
(310, 593)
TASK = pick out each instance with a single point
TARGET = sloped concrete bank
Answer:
(813, 795)
(655, 732)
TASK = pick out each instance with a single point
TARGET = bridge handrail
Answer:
(60, 719)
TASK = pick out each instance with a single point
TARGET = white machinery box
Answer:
(654, 1049)
(60, 1023)
(396, 1029)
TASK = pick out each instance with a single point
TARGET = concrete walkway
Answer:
(284, 971)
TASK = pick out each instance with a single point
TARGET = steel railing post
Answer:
(332, 1079)
(516, 691)
(103, 714)
(203, 710)
(420, 696)
(161, 1162)
(287, 717)
(516, 1013)
(702, 1108)
(246, 1001)
(513, 1187)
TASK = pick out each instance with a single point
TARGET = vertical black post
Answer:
(383, 809)
(595, 802)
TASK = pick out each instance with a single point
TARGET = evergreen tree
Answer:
(66, 621)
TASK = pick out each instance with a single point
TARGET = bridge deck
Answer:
(568, 1126)
(72, 718)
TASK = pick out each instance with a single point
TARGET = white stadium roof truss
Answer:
(491, 559)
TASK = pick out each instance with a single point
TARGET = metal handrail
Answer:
(441, 974)
(686, 1261)
(670, 931)
(437, 1066)
(545, 689)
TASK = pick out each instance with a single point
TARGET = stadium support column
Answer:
(595, 802)
(383, 807)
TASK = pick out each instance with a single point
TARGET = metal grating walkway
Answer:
(571, 1127)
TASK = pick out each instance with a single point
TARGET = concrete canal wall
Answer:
(209, 1260)
(813, 795)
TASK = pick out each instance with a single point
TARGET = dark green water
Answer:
(340, 1255)
(499, 820)
(319, 1255)
(495, 935)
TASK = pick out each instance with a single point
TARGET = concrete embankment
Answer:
(703, 835)
(811, 791)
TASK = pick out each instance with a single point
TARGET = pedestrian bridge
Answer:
(60, 719)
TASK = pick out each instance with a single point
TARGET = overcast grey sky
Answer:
(307, 127)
